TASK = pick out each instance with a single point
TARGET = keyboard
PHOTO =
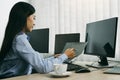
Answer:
(73, 67)
(114, 70)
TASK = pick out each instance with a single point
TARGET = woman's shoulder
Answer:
(21, 36)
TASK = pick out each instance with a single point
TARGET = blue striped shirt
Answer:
(22, 58)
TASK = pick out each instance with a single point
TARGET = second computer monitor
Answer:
(39, 39)
(62, 39)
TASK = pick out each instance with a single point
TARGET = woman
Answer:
(17, 57)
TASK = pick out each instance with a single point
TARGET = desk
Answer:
(94, 75)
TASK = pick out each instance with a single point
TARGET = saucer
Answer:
(60, 75)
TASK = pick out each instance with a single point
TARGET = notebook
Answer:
(78, 46)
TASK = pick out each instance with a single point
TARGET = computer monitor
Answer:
(101, 39)
(62, 39)
(39, 39)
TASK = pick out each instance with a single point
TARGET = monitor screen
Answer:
(62, 39)
(39, 39)
(101, 37)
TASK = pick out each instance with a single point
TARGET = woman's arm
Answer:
(35, 58)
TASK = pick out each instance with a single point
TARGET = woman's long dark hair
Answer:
(17, 21)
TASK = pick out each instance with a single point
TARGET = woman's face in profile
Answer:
(30, 23)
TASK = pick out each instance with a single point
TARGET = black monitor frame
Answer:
(62, 39)
(39, 40)
(101, 38)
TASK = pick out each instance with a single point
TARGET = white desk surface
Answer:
(94, 75)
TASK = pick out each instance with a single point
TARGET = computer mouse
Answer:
(82, 70)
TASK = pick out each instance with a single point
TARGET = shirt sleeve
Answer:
(42, 65)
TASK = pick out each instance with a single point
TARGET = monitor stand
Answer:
(103, 63)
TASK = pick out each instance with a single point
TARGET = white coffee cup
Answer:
(60, 68)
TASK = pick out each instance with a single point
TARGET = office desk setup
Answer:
(95, 74)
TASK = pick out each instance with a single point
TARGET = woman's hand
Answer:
(70, 52)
